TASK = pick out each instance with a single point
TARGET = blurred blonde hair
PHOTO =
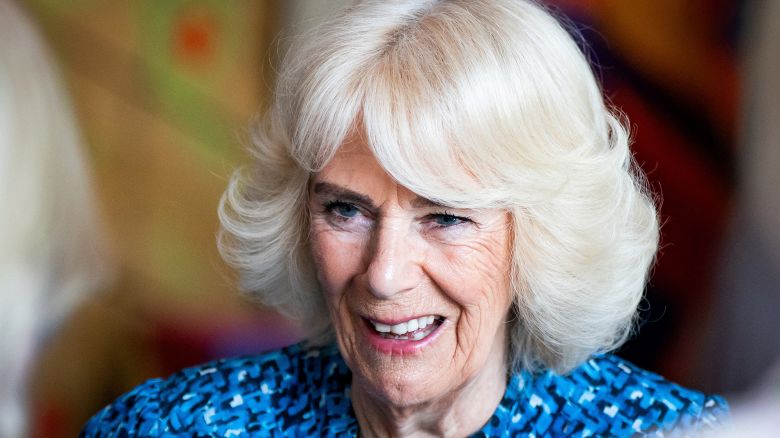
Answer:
(469, 103)
(53, 249)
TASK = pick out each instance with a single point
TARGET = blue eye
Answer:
(447, 220)
(342, 209)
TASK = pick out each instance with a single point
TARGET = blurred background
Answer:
(164, 92)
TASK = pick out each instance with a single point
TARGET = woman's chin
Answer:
(400, 390)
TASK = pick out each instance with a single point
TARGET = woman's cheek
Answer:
(337, 256)
(473, 272)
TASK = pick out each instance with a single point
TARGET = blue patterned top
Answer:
(304, 391)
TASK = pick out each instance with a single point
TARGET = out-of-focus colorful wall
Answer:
(164, 91)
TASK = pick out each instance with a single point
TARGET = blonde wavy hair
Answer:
(473, 104)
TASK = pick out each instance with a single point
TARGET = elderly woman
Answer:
(441, 189)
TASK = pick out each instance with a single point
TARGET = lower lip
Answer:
(399, 347)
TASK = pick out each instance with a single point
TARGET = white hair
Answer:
(469, 103)
(52, 253)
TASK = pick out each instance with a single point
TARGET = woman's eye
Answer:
(447, 220)
(342, 209)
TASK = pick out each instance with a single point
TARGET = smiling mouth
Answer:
(415, 329)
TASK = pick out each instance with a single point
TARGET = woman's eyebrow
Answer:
(420, 202)
(343, 194)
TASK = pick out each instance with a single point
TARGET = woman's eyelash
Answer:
(341, 208)
(447, 219)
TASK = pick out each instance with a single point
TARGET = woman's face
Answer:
(418, 293)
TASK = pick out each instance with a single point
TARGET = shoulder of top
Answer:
(612, 395)
(266, 372)
(133, 413)
(200, 397)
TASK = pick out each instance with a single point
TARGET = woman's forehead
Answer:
(352, 159)
(354, 171)
(437, 174)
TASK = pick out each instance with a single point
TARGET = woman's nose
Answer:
(394, 265)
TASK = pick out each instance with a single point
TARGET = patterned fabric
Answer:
(300, 391)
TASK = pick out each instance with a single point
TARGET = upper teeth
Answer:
(404, 327)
